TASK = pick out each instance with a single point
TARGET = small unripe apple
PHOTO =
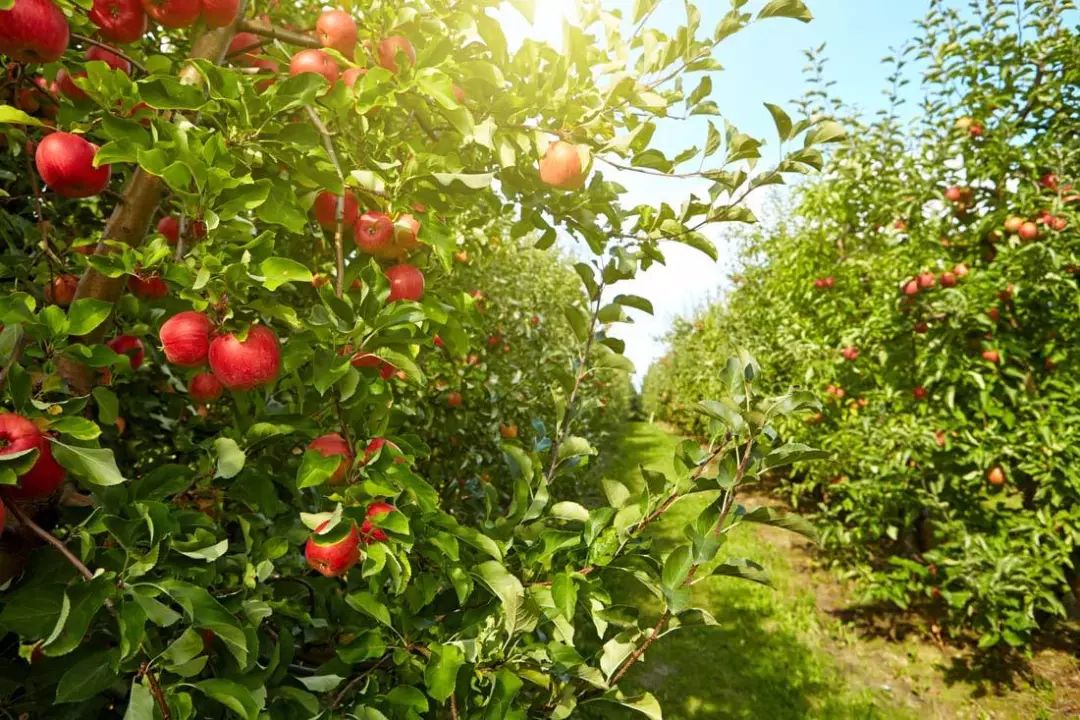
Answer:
(332, 444)
(33, 31)
(960, 270)
(66, 163)
(453, 399)
(150, 286)
(205, 388)
(1013, 224)
(219, 13)
(1028, 231)
(369, 529)
(121, 21)
(185, 338)
(991, 356)
(18, 433)
(128, 345)
(336, 29)
(406, 283)
(245, 364)
(393, 48)
(314, 61)
(326, 210)
(335, 555)
(173, 13)
(62, 290)
(996, 476)
(374, 235)
(948, 279)
(561, 166)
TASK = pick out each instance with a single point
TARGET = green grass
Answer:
(764, 659)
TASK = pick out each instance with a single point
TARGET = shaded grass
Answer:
(764, 658)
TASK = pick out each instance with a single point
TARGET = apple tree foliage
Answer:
(953, 482)
(168, 579)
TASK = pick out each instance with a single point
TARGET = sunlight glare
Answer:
(547, 25)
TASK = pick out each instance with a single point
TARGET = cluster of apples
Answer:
(189, 340)
(18, 434)
(926, 280)
(971, 126)
(961, 197)
(335, 553)
(825, 283)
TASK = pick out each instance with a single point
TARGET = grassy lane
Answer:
(778, 654)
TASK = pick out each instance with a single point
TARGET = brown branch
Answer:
(130, 219)
(636, 655)
(671, 499)
(274, 33)
(356, 681)
(1035, 83)
(114, 50)
(48, 537)
(453, 707)
(155, 690)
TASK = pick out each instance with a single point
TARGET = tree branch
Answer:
(115, 51)
(339, 213)
(636, 655)
(48, 537)
(155, 690)
(274, 33)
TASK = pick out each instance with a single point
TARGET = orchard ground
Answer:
(807, 649)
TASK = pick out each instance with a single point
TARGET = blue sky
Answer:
(763, 63)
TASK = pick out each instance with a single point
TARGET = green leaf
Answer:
(473, 181)
(140, 703)
(315, 469)
(575, 446)
(788, 521)
(506, 587)
(232, 695)
(745, 569)
(781, 120)
(635, 301)
(230, 458)
(677, 567)
(80, 604)
(365, 602)
(790, 453)
(95, 465)
(277, 271)
(77, 427)
(88, 677)
(86, 314)
(786, 8)
(440, 673)
(14, 116)
(826, 131)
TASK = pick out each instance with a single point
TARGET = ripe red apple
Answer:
(173, 13)
(185, 338)
(246, 364)
(243, 48)
(150, 286)
(219, 13)
(66, 163)
(364, 359)
(976, 130)
(369, 529)
(850, 353)
(65, 85)
(406, 283)
(169, 226)
(922, 327)
(454, 399)
(1058, 223)
(121, 21)
(205, 388)
(1028, 231)
(960, 270)
(18, 433)
(954, 193)
(393, 47)
(335, 554)
(109, 58)
(26, 99)
(33, 31)
(991, 356)
(1013, 223)
(508, 432)
(350, 76)
(62, 290)
(996, 476)
(336, 29)
(926, 280)
(314, 61)
(534, 320)
(911, 288)
(333, 444)
(128, 345)
(326, 210)
(407, 232)
(1049, 181)
(919, 392)
(561, 166)
(948, 279)
(270, 68)
(438, 342)
(819, 283)
(994, 314)
(900, 224)
(374, 235)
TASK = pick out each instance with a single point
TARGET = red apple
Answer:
(33, 31)
(333, 444)
(926, 280)
(314, 61)
(369, 529)
(1049, 181)
(65, 85)
(364, 359)
(62, 290)
(459, 93)
(173, 13)
(996, 476)
(18, 433)
(131, 346)
(374, 235)
(246, 364)
(219, 13)
(960, 270)
(185, 338)
(850, 353)
(66, 164)
(911, 288)
(508, 432)
(991, 356)
(169, 226)
(243, 48)
(1058, 223)
(150, 286)
(954, 193)
(948, 279)
(454, 399)
(205, 388)
(394, 47)
(406, 283)
(1028, 231)
(407, 232)
(336, 29)
(438, 342)
(976, 130)
(1013, 223)
(919, 392)
(534, 320)
(109, 58)
(335, 554)
(326, 210)
(350, 76)
(121, 21)
(994, 314)
(561, 166)
(270, 68)
(921, 327)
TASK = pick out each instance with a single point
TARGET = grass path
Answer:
(774, 654)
